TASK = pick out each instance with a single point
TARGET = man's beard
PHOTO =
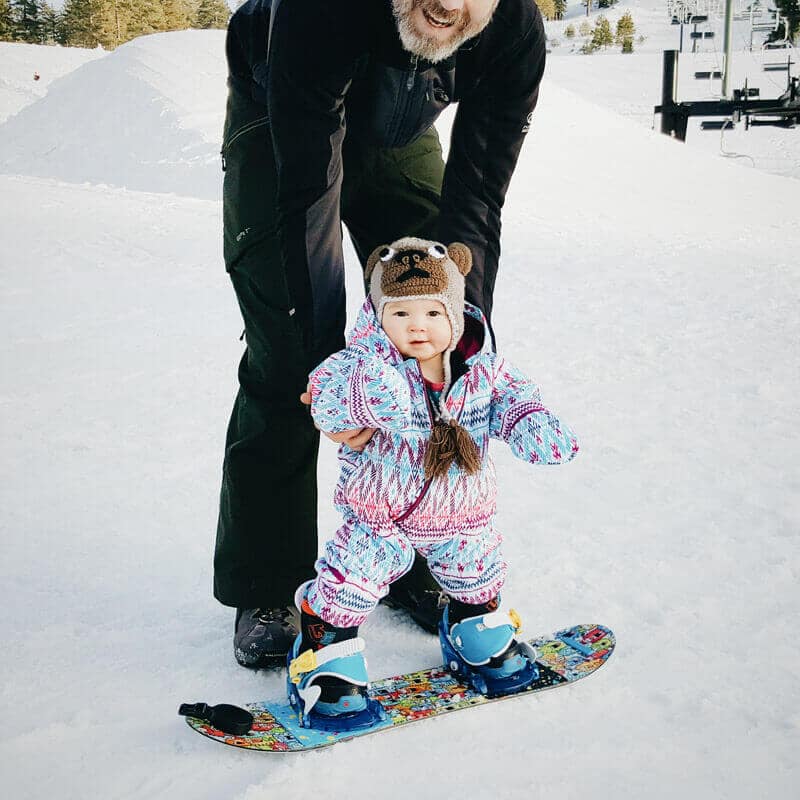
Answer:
(428, 47)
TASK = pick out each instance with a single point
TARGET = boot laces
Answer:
(269, 615)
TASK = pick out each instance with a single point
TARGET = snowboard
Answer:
(562, 658)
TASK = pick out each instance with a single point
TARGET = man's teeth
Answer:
(437, 22)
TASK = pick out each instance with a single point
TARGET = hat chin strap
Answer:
(443, 413)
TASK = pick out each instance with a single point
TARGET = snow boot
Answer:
(478, 646)
(263, 636)
(327, 675)
(418, 594)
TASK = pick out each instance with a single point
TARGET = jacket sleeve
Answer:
(488, 132)
(352, 390)
(313, 47)
(518, 417)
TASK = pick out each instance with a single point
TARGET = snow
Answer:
(650, 287)
(147, 117)
(20, 62)
(631, 84)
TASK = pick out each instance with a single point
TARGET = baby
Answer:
(420, 369)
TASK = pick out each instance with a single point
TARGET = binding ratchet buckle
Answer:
(304, 663)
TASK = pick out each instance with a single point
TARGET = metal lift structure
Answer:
(742, 104)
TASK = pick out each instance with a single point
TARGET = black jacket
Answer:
(336, 68)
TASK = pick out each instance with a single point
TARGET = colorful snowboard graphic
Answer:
(564, 657)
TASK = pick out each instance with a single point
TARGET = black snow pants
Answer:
(267, 531)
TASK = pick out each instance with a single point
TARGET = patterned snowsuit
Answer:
(389, 508)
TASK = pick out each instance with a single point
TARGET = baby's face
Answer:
(418, 328)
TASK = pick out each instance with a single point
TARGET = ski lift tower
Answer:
(745, 103)
(726, 68)
(692, 12)
(695, 12)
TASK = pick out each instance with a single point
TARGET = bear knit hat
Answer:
(418, 269)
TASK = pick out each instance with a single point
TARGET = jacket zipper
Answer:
(401, 103)
(412, 74)
(427, 485)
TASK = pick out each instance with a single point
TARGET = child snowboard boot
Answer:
(479, 647)
(327, 681)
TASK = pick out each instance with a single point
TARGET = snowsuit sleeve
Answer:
(353, 390)
(518, 417)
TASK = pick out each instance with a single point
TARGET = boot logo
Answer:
(316, 631)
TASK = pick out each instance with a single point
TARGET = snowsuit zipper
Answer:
(427, 485)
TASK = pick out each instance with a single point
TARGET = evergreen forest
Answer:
(107, 23)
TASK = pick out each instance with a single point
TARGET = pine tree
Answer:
(6, 22)
(83, 22)
(110, 23)
(561, 8)
(625, 28)
(114, 20)
(52, 28)
(178, 14)
(123, 20)
(27, 24)
(585, 28)
(569, 31)
(146, 16)
(627, 44)
(548, 8)
(213, 14)
(602, 36)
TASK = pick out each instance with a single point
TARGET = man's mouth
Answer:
(437, 23)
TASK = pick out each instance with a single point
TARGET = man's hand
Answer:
(355, 439)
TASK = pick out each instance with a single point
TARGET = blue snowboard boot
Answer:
(479, 647)
(327, 679)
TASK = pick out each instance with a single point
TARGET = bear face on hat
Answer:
(416, 269)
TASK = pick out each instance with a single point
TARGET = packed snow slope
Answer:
(146, 116)
(650, 289)
(21, 63)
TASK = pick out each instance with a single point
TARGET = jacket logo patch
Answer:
(527, 126)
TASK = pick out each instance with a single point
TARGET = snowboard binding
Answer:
(482, 652)
(341, 703)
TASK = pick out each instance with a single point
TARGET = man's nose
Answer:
(451, 5)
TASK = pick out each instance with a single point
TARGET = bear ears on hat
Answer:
(459, 253)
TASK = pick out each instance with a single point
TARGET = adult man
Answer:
(329, 120)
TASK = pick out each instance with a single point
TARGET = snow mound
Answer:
(20, 62)
(148, 117)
